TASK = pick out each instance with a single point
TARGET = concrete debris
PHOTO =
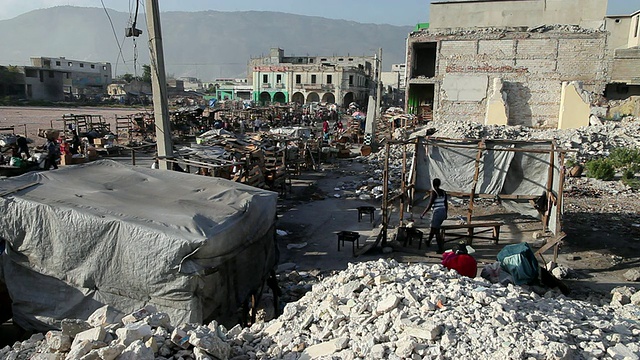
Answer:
(632, 275)
(418, 311)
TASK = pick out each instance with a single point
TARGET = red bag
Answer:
(464, 264)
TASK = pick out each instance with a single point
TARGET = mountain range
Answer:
(205, 44)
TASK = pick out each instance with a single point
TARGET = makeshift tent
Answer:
(80, 237)
(516, 172)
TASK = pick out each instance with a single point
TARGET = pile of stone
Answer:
(589, 141)
(371, 310)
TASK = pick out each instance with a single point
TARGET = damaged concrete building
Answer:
(521, 62)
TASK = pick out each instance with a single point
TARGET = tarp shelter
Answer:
(80, 237)
(520, 174)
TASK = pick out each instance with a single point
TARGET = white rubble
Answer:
(382, 310)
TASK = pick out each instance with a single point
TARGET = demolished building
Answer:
(514, 62)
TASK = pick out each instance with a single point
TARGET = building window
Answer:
(70, 63)
(279, 78)
(310, 61)
(93, 66)
(265, 78)
(350, 80)
(350, 59)
(637, 23)
(57, 63)
(341, 59)
(31, 73)
(81, 65)
(313, 79)
(323, 59)
(104, 68)
(298, 79)
(329, 79)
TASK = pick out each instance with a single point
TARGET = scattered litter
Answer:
(296, 246)
(281, 232)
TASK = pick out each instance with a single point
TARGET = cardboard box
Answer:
(100, 141)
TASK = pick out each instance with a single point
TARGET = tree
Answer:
(146, 74)
(127, 77)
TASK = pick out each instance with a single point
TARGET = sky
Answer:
(396, 12)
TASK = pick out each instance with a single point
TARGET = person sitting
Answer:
(22, 147)
(74, 146)
(460, 261)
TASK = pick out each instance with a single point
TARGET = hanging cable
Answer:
(120, 55)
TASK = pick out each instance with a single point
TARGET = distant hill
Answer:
(205, 44)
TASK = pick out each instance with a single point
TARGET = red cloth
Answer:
(464, 264)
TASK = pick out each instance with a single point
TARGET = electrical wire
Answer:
(120, 55)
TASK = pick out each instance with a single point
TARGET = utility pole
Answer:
(159, 85)
(379, 84)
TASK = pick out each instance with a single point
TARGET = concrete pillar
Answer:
(497, 107)
(575, 107)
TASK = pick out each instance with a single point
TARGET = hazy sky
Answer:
(395, 12)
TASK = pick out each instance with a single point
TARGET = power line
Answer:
(115, 36)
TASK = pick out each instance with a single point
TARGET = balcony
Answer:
(280, 86)
(266, 86)
(321, 87)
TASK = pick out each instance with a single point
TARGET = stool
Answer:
(366, 210)
(349, 236)
(410, 234)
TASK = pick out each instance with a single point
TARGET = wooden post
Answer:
(476, 174)
(133, 157)
(385, 195)
(560, 200)
(403, 186)
(545, 216)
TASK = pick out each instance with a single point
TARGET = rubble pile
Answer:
(379, 309)
(589, 141)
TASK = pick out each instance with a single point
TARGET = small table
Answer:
(349, 236)
(366, 210)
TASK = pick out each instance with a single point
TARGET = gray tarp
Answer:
(106, 233)
(500, 172)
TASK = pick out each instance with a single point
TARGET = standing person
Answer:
(257, 124)
(53, 154)
(438, 201)
(325, 129)
(22, 147)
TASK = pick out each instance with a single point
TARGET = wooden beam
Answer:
(476, 174)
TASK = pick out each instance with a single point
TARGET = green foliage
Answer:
(146, 74)
(632, 183)
(600, 169)
(127, 77)
(623, 157)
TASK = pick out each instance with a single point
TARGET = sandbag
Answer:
(519, 261)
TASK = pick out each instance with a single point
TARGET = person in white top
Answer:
(438, 201)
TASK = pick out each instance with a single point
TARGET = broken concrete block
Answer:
(429, 331)
(180, 335)
(388, 304)
(323, 349)
(139, 314)
(137, 350)
(404, 348)
(133, 332)
(200, 354)
(111, 352)
(57, 341)
(71, 327)
(94, 334)
(620, 351)
(104, 316)
(48, 356)
(158, 319)
(79, 349)
(205, 339)
(632, 275)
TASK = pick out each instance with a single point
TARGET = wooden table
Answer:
(493, 226)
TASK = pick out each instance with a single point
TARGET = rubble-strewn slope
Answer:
(375, 310)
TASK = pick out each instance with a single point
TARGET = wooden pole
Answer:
(403, 186)
(476, 174)
(545, 216)
(560, 197)
(385, 195)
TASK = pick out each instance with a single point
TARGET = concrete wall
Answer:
(626, 66)
(532, 67)
(47, 85)
(514, 13)
(618, 28)
(574, 108)
(634, 30)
